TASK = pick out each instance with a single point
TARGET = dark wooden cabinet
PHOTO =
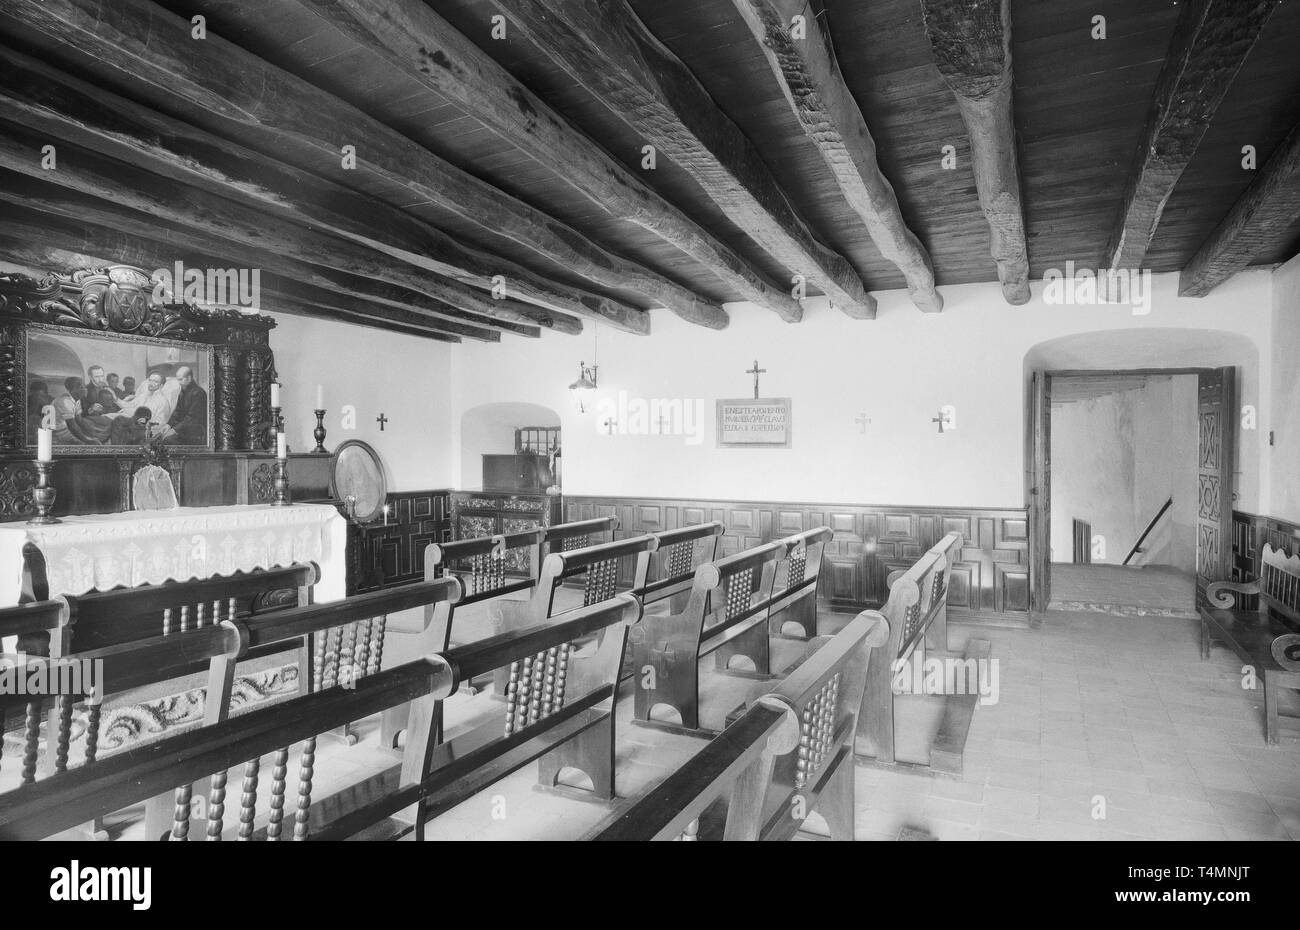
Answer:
(392, 552)
(487, 513)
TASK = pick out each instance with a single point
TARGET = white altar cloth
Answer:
(99, 552)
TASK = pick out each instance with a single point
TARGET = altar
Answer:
(103, 551)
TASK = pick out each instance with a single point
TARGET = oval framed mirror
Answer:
(357, 478)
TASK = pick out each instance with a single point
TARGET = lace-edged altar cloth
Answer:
(103, 551)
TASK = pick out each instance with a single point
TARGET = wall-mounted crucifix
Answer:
(756, 371)
(381, 420)
(862, 420)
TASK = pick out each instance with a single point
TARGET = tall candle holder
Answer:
(319, 433)
(43, 495)
(277, 420)
(281, 484)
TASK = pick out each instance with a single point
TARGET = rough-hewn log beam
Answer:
(136, 44)
(423, 44)
(51, 101)
(1210, 42)
(127, 186)
(40, 243)
(49, 198)
(971, 42)
(810, 79)
(420, 43)
(1256, 224)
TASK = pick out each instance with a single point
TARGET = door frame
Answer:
(1038, 465)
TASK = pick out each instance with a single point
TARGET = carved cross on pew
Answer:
(381, 420)
(862, 420)
(756, 371)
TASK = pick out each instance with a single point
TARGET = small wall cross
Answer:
(609, 424)
(381, 420)
(756, 371)
(940, 419)
(862, 420)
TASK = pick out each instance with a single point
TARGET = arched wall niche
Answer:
(489, 429)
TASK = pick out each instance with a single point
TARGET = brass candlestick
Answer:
(281, 484)
(319, 433)
(43, 495)
(277, 420)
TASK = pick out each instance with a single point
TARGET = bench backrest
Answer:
(103, 618)
(99, 786)
(917, 594)
(671, 567)
(564, 537)
(797, 573)
(598, 563)
(487, 566)
(735, 590)
(787, 743)
(1279, 582)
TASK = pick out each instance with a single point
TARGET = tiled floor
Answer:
(1106, 727)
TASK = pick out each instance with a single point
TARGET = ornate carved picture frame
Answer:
(106, 392)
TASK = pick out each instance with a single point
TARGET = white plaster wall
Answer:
(899, 369)
(405, 378)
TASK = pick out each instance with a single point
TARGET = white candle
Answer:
(385, 515)
(281, 446)
(45, 445)
(320, 397)
(275, 394)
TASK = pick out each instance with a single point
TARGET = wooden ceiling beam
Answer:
(46, 99)
(41, 243)
(814, 89)
(971, 43)
(257, 235)
(1259, 222)
(1209, 45)
(21, 190)
(138, 45)
(421, 44)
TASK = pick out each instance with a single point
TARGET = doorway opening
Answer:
(1123, 477)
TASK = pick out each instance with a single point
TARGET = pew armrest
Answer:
(1220, 593)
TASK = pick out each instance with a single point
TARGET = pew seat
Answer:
(1264, 635)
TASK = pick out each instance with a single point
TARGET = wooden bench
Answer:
(795, 585)
(917, 613)
(561, 713)
(565, 537)
(726, 613)
(671, 567)
(1253, 633)
(789, 754)
(100, 785)
(488, 568)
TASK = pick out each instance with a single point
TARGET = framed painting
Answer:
(106, 391)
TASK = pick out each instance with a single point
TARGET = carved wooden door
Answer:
(1038, 461)
(1214, 463)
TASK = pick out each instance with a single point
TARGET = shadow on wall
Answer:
(489, 429)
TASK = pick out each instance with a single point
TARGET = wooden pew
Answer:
(99, 786)
(795, 585)
(562, 717)
(565, 537)
(917, 613)
(671, 567)
(726, 613)
(788, 755)
(37, 621)
(1253, 634)
(488, 568)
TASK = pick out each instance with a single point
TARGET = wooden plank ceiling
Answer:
(794, 143)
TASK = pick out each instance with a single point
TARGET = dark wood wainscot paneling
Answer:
(393, 553)
(990, 578)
